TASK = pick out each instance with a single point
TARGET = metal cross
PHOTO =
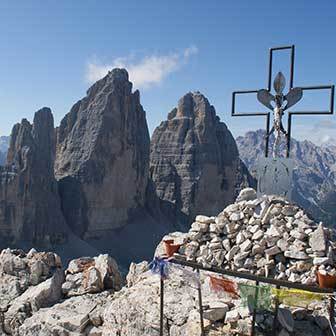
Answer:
(279, 102)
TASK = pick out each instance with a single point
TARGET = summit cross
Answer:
(274, 175)
(276, 102)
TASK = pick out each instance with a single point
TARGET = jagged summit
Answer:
(102, 156)
(29, 201)
(116, 78)
(194, 160)
(193, 105)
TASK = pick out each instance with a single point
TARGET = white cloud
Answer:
(190, 51)
(319, 132)
(149, 71)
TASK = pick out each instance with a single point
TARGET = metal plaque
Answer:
(275, 177)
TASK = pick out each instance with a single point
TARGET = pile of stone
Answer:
(267, 236)
(37, 297)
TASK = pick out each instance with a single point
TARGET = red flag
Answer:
(224, 285)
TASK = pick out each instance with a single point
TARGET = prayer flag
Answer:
(255, 297)
(224, 285)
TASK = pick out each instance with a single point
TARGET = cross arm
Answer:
(331, 88)
(330, 111)
(234, 113)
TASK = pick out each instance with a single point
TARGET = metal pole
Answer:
(275, 318)
(292, 67)
(161, 305)
(269, 84)
(332, 310)
(255, 308)
(267, 134)
(252, 277)
(289, 131)
(200, 306)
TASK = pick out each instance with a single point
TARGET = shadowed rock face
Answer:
(102, 157)
(29, 202)
(194, 160)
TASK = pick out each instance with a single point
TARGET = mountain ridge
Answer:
(314, 177)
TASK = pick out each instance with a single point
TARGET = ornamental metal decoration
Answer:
(281, 103)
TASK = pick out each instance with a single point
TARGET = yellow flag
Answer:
(296, 297)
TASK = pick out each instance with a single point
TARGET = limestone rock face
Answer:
(103, 157)
(29, 203)
(194, 162)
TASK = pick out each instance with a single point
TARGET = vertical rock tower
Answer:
(29, 202)
(102, 157)
(194, 162)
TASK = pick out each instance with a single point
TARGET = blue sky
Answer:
(50, 52)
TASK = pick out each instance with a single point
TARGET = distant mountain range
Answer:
(314, 176)
(4, 143)
(100, 178)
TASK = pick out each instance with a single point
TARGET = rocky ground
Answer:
(266, 236)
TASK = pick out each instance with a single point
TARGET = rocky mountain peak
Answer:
(30, 206)
(102, 156)
(194, 159)
(193, 105)
(116, 79)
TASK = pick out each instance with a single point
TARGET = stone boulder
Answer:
(81, 315)
(91, 275)
(194, 161)
(102, 158)
(135, 273)
(30, 208)
(42, 295)
(28, 282)
(135, 310)
(19, 271)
